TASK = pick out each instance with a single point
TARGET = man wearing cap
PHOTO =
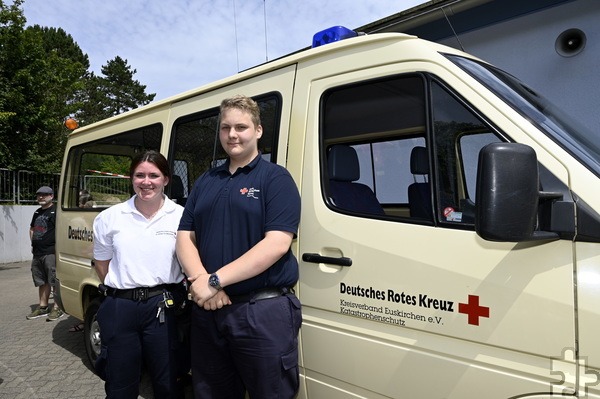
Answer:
(43, 265)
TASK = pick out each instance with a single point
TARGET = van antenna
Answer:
(265, 18)
(237, 51)
(452, 27)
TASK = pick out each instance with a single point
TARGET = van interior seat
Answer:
(419, 193)
(345, 193)
(177, 191)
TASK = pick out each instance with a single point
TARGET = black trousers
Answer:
(132, 336)
(249, 346)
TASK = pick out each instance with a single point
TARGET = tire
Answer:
(91, 332)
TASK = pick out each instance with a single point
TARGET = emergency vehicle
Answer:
(450, 229)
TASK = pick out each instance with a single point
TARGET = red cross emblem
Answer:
(473, 310)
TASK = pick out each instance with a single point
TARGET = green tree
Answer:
(11, 28)
(40, 72)
(113, 93)
(58, 80)
(92, 100)
(59, 41)
(44, 77)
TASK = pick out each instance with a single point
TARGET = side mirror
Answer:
(508, 194)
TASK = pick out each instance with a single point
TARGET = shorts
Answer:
(43, 270)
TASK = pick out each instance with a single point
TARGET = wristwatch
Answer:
(214, 281)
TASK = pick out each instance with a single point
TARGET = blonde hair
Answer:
(243, 103)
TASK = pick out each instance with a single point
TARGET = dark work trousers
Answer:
(132, 336)
(249, 346)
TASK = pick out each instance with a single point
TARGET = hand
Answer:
(218, 301)
(201, 291)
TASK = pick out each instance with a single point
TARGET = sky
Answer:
(178, 45)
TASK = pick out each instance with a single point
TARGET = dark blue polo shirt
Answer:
(231, 213)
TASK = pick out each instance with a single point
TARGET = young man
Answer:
(43, 265)
(234, 243)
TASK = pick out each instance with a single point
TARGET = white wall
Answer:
(15, 245)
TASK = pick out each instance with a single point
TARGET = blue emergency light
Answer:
(333, 34)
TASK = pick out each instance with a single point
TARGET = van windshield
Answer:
(568, 133)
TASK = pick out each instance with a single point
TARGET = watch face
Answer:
(213, 280)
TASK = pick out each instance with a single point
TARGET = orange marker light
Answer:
(71, 124)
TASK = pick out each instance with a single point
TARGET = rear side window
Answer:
(97, 172)
(195, 144)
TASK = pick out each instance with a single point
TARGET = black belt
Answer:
(258, 295)
(139, 293)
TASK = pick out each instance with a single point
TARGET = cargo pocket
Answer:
(290, 378)
(100, 364)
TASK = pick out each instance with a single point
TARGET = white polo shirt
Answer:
(141, 251)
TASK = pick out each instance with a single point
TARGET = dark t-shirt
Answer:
(232, 213)
(43, 225)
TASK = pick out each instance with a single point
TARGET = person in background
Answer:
(86, 200)
(43, 266)
(134, 257)
(234, 243)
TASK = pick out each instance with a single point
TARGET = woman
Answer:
(134, 256)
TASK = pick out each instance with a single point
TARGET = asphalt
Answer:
(40, 359)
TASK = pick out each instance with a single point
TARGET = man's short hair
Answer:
(243, 103)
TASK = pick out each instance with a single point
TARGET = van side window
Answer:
(459, 134)
(195, 145)
(402, 147)
(97, 172)
(380, 121)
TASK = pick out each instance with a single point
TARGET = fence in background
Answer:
(19, 187)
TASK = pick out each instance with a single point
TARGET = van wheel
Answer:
(91, 332)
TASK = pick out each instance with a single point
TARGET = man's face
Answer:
(238, 134)
(44, 199)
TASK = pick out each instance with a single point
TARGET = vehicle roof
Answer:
(290, 59)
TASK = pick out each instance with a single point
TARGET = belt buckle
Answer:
(102, 289)
(140, 294)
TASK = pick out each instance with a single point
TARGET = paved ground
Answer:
(40, 359)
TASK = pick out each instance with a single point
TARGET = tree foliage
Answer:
(111, 94)
(45, 77)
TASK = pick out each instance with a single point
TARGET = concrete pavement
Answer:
(40, 359)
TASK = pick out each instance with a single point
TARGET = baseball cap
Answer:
(44, 190)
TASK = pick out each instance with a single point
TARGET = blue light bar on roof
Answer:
(333, 34)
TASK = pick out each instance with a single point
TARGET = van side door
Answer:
(400, 297)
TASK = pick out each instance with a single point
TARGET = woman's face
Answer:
(148, 181)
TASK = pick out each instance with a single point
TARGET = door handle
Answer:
(316, 258)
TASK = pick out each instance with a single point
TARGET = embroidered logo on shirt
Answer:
(166, 233)
(249, 192)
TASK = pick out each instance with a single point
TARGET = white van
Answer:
(449, 244)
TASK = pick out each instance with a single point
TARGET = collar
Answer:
(224, 168)
(168, 205)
